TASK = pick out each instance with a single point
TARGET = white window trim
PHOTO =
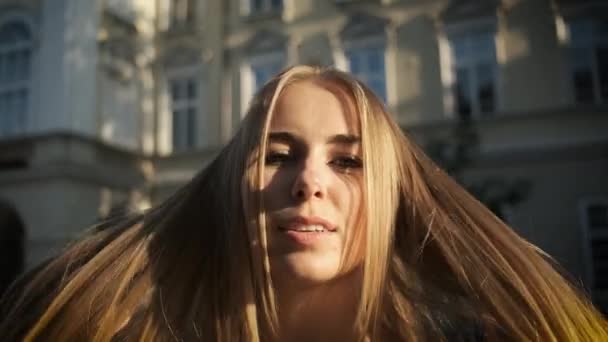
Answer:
(488, 24)
(248, 78)
(166, 109)
(586, 242)
(377, 41)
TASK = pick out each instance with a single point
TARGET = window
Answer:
(264, 56)
(265, 6)
(264, 70)
(367, 64)
(474, 70)
(256, 72)
(184, 109)
(595, 218)
(181, 13)
(15, 60)
(589, 60)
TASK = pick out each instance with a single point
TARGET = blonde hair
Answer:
(436, 260)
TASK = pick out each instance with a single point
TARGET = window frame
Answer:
(184, 74)
(248, 81)
(588, 237)
(589, 44)
(367, 43)
(24, 85)
(448, 65)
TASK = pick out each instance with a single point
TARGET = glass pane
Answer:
(482, 45)
(4, 119)
(11, 66)
(354, 62)
(581, 32)
(599, 252)
(22, 72)
(459, 49)
(379, 88)
(601, 277)
(597, 216)
(276, 68)
(260, 77)
(462, 93)
(19, 103)
(602, 66)
(177, 91)
(19, 110)
(14, 32)
(277, 4)
(191, 89)
(264, 72)
(191, 127)
(599, 249)
(3, 61)
(376, 61)
(582, 77)
(601, 32)
(485, 90)
(178, 130)
(257, 5)
(9, 106)
(583, 85)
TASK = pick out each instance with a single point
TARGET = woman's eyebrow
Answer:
(344, 139)
(290, 139)
(282, 137)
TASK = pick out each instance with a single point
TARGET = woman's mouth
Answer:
(307, 231)
(307, 224)
(316, 228)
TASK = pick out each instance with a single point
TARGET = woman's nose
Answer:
(308, 184)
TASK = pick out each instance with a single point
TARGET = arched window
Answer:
(15, 58)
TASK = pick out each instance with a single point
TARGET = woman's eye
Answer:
(347, 162)
(277, 158)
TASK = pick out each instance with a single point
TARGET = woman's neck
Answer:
(325, 312)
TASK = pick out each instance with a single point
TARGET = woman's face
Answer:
(312, 183)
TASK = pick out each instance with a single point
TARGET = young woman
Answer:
(319, 221)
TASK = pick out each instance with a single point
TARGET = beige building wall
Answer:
(121, 97)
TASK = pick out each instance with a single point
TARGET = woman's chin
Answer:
(305, 268)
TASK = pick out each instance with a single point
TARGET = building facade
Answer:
(114, 101)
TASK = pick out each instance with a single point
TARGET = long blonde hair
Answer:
(437, 262)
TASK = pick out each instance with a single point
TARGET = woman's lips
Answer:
(307, 224)
(307, 238)
(307, 231)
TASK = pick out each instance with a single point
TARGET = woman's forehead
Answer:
(318, 104)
